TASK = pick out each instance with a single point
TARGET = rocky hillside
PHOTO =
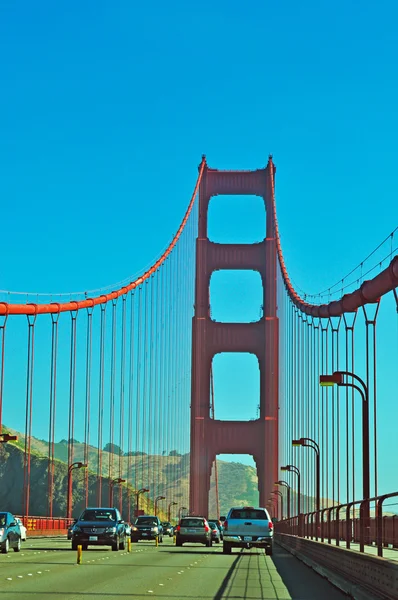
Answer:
(163, 475)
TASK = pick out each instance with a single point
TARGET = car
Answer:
(219, 525)
(147, 527)
(248, 527)
(71, 526)
(22, 529)
(100, 526)
(10, 533)
(215, 532)
(193, 529)
(167, 528)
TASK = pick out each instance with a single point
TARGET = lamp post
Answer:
(180, 511)
(111, 484)
(137, 503)
(288, 488)
(275, 505)
(75, 465)
(279, 493)
(6, 437)
(338, 378)
(156, 503)
(310, 443)
(169, 510)
(294, 469)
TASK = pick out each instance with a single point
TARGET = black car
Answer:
(10, 534)
(167, 528)
(99, 527)
(147, 527)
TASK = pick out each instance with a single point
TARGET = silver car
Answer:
(193, 529)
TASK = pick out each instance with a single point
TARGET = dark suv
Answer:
(99, 527)
(147, 527)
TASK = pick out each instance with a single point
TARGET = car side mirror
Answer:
(120, 521)
(75, 521)
(222, 519)
(274, 520)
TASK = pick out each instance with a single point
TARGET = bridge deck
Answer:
(46, 569)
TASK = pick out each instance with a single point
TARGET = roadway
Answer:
(47, 569)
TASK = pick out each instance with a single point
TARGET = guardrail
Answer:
(46, 526)
(380, 531)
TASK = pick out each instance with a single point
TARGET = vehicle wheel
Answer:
(84, 546)
(74, 545)
(6, 547)
(178, 543)
(161, 540)
(226, 548)
(17, 548)
(268, 551)
(209, 544)
(115, 547)
(122, 544)
(217, 541)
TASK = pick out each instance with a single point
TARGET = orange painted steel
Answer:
(7, 308)
(369, 292)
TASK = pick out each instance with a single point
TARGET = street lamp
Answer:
(294, 469)
(338, 378)
(111, 484)
(6, 437)
(169, 510)
(288, 488)
(275, 505)
(277, 492)
(310, 443)
(180, 511)
(138, 493)
(75, 465)
(156, 503)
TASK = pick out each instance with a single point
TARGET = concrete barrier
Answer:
(360, 575)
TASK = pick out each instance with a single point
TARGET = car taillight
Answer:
(270, 525)
(178, 528)
(207, 528)
(225, 525)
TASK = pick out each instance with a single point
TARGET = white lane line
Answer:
(38, 572)
(19, 576)
(9, 578)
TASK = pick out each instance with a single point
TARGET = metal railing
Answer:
(380, 531)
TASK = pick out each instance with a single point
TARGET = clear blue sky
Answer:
(107, 107)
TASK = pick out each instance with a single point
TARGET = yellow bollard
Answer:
(128, 544)
(174, 539)
(79, 554)
(157, 541)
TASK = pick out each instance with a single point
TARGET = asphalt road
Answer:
(46, 569)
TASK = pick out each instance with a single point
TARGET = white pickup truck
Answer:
(248, 527)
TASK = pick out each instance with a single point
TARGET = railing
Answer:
(380, 531)
(46, 525)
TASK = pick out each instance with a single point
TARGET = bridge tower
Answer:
(210, 437)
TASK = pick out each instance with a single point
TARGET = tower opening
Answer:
(236, 219)
(236, 296)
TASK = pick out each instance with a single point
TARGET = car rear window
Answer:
(146, 521)
(192, 523)
(249, 513)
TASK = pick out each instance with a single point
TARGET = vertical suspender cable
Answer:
(122, 394)
(138, 458)
(28, 412)
(3, 322)
(87, 408)
(112, 394)
(101, 403)
(131, 399)
(72, 382)
(51, 429)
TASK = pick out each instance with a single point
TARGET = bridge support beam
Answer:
(210, 437)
